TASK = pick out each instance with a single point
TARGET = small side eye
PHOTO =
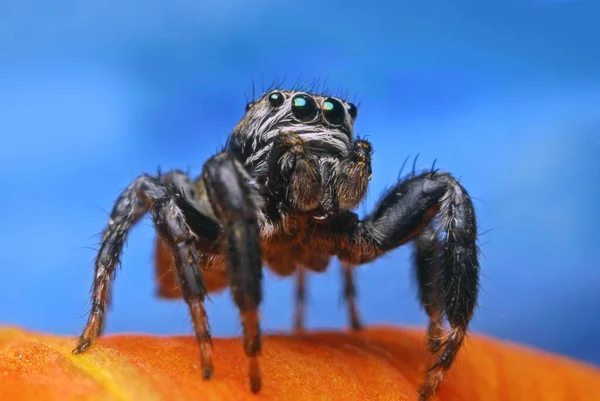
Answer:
(249, 106)
(352, 110)
(304, 108)
(334, 111)
(276, 99)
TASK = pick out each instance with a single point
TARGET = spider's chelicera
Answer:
(281, 193)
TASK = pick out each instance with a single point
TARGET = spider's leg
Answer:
(166, 277)
(350, 296)
(131, 205)
(300, 298)
(182, 227)
(401, 215)
(306, 260)
(235, 203)
(428, 273)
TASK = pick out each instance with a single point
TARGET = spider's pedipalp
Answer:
(294, 172)
(352, 175)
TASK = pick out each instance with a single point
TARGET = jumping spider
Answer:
(281, 193)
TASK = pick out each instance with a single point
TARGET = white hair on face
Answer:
(335, 139)
(264, 123)
(322, 142)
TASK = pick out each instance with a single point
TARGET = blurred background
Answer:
(504, 94)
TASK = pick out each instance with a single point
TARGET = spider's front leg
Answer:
(447, 259)
(236, 205)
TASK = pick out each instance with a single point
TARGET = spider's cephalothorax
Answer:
(281, 194)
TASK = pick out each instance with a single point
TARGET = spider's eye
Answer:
(334, 111)
(352, 110)
(276, 99)
(249, 106)
(304, 107)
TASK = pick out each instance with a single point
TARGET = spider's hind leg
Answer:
(350, 296)
(306, 260)
(300, 299)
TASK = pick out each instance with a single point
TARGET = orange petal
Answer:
(377, 364)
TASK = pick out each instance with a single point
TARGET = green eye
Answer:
(299, 102)
(334, 111)
(304, 108)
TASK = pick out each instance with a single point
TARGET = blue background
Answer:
(505, 94)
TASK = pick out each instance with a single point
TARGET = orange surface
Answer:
(378, 364)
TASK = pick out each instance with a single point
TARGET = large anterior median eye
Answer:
(334, 111)
(304, 107)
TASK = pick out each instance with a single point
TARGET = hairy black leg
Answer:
(170, 219)
(235, 205)
(300, 299)
(350, 296)
(352, 175)
(459, 281)
(181, 182)
(401, 215)
(294, 172)
(428, 273)
(166, 277)
(131, 205)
